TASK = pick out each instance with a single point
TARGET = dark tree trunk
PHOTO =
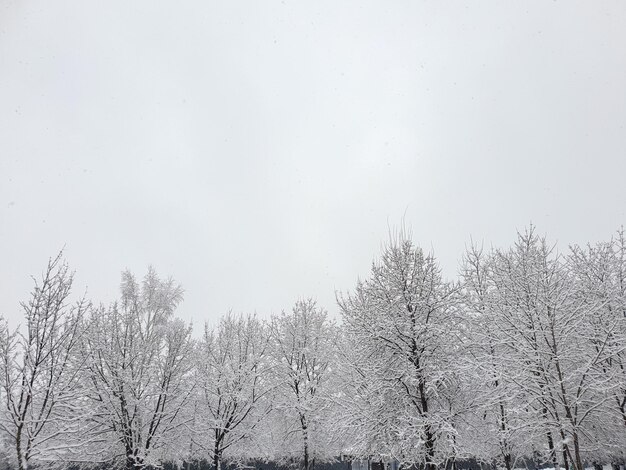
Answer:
(133, 461)
(217, 450)
(578, 463)
(565, 451)
(430, 449)
(504, 441)
(552, 450)
(22, 464)
(217, 461)
(429, 437)
(565, 458)
(507, 461)
(305, 442)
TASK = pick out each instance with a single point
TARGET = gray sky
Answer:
(259, 152)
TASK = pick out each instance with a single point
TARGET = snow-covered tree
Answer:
(233, 383)
(600, 275)
(545, 324)
(402, 325)
(303, 341)
(497, 422)
(39, 370)
(138, 361)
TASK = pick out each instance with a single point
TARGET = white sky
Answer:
(258, 152)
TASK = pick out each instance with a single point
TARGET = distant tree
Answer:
(138, 361)
(39, 370)
(303, 342)
(232, 383)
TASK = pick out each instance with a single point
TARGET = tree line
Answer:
(521, 357)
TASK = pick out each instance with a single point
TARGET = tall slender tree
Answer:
(303, 346)
(498, 417)
(233, 382)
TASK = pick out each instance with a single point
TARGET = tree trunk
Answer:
(430, 449)
(133, 462)
(217, 461)
(305, 442)
(553, 459)
(565, 450)
(507, 461)
(578, 461)
(565, 459)
(22, 461)
(429, 438)
(504, 442)
(217, 454)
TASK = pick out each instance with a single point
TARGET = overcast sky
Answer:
(259, 152)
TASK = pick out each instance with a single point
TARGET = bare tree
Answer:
(233, 382)
(400, 320)
(545, 324)
(138, 364)
(303, 346)
(39, 370)
(600, 275)
(498, 421)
